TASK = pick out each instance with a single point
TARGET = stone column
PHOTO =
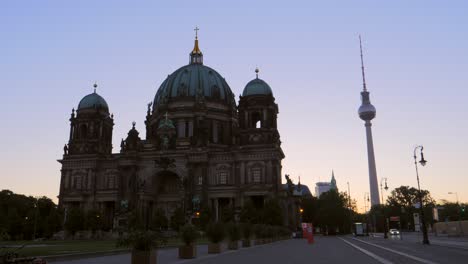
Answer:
(242, 173)
(216, 209)
(269, 174)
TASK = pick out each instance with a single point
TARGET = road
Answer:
(345, 249)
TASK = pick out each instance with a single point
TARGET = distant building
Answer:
(321, 187)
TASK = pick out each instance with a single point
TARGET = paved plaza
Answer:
(345, 249)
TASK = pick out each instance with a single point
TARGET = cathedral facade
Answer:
(202, 150)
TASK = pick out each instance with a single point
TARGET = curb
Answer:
(54, 258)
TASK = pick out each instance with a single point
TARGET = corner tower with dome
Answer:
(202, 152)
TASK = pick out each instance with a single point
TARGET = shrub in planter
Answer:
(234, 235)
(143, 245)
(189, 234)
(259, 231)
(215, 233)
(246, 234)
(269, 233)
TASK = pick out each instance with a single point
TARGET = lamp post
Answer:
(421, 206)
(36, 208)
(350, 210)
(383, 205)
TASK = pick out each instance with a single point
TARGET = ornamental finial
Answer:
(196, 32)
(95, 86)
(257, 71)
(196, 56)
(196, 49)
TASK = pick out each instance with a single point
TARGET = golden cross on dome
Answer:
(196, 32)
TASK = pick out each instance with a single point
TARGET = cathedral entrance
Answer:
(168, 193)
(223, 209)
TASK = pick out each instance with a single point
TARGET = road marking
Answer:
(370, 254)
(398, 252)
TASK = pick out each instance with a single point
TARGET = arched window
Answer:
(256, 119)
(223, 177)
(200, 180)
(256, 173)
(221, 133)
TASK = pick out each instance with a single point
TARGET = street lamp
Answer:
(383, 205)
(36, 208)
(421, 207)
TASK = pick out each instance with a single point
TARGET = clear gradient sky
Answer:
(416, 58)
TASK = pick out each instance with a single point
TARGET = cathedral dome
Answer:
(196, 81)
(93, 100)
(257, 87)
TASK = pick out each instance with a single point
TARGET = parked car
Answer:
(394, 232)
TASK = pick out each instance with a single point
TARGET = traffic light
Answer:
(197, 214)
(301, 210)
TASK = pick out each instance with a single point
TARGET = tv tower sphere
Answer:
(366, 110)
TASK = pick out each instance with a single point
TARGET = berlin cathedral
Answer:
(202, 150)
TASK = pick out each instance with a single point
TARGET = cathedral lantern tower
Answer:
(91, 127)
(257, 114)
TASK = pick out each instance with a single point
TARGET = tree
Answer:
(93, 221)
(75, 220)
(250, 214)
(159, 220)
(310, 206)
(177, 219)
(449, 211)
(332, 212)
(227, 214)
(21, 215)
(402, 201)
(272, 212)
(205, 217)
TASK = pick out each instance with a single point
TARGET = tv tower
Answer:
(367, 113)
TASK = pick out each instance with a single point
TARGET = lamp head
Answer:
(422, 161)
(386, 187)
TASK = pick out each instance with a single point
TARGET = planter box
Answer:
(214, 248)
(233, 245)
(246, 243)
(143, 257)
(187, 252)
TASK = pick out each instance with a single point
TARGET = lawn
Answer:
(49, 248)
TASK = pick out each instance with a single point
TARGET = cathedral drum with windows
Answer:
(201, 152)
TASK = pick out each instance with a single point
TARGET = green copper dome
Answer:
(195, 81)
(93, 100)
(257, 87)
